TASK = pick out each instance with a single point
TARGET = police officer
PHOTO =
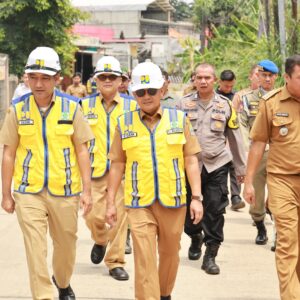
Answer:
(226, 84)
(267, 74)
(153, 146)
(44, 136)
(277, 123)
(214, 121)
(101, 113)
(167, 100)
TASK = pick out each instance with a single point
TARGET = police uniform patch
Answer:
(190, 104)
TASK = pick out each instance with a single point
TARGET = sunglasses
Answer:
(110, 77)
(150, 92)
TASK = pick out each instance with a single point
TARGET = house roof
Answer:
(117, 5)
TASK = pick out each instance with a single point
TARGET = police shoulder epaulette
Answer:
(270, 94)
(189, 94)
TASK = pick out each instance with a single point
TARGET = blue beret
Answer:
(268, 66)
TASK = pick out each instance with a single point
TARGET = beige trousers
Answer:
(284, 203)
(95, 220)
(258, 211)
(152, 226)
(35, 214)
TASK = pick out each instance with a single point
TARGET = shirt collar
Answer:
(285, 94)
(157, 114)
(116, 99)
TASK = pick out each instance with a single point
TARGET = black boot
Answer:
(66, 293)
(128, 248)
(165, 297)
(261, 238)
(209, 265)
(195, 248)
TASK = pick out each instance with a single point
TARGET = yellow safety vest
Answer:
(103, 125)
(45, 155)
(154, 160)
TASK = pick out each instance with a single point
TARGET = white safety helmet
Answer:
(146, 75)
(43, 60)
(108, 65)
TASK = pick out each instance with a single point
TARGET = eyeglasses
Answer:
(124, 79)
(110, 77)
(150, 92)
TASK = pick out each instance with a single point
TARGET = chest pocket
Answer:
(192, 114)
(63, 134)
(176, 139)
(281, 127)
(217, 122)
(27, 135)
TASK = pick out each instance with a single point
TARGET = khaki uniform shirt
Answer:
(249, 108)
(77, 91)
(212, 124)
(168, 101)
(191, 147)
(9, 132)
(237, 102)
(277, 123)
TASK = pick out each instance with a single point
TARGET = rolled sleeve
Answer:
(9, 132)
(116, 152)
(262, 125)
(82, 130)
(192, 145)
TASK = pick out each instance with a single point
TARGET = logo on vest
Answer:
(128, 134)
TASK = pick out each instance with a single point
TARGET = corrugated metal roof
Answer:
(117, 5)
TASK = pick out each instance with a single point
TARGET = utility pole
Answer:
(281, 17)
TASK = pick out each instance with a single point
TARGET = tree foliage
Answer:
(26, 24)
(183, 10)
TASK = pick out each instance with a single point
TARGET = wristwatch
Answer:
(198, 198)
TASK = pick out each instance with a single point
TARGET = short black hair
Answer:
(227, 75)
(77, 74)
(290, 64)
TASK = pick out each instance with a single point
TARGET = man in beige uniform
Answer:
(277, 124)
(102, 110)
(214, 122)
(157, 203)
(44, 136)
(77, 89)
(267, 74)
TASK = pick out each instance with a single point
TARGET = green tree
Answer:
(26, 24)
(183, 10)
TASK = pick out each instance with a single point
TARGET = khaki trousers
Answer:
(258, 211)
(284, 204)
(95, 220)
(151, 225)
(35, 213)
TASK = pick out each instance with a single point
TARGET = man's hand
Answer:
(111, 214)
(249, 193)
(240, 179)
(8, 204)
(86, 203)
(196, 210)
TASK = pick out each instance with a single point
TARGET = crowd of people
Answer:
(141, 163)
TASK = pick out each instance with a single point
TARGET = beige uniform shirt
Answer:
(9, 132)
(213, 125)
(77, 91)
(191, 146)
(277, 123)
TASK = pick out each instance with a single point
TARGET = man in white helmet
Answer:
(45, 153)
(102, 110)
(154, 147)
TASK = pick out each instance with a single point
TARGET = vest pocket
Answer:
(63, 134)
(27, 135)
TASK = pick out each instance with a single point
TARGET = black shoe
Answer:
(237, 202)
(128, 248)
(209, 265)
(195, 248)
(119, 273)
(97, 254)
(66, 293)
(165, 297)
(261, 238)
